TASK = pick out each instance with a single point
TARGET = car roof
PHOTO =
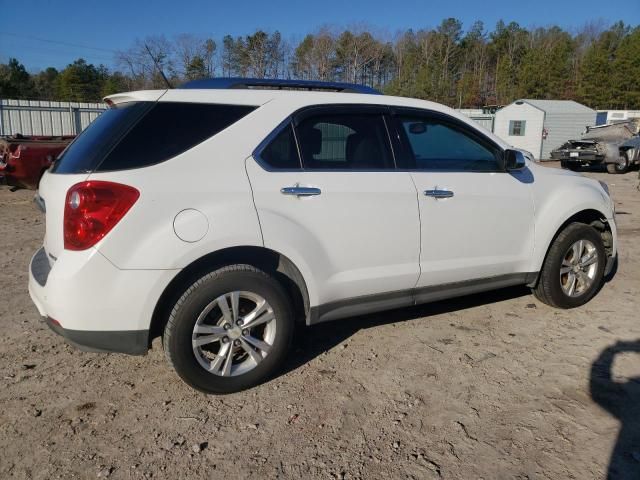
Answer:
(259, 97)
(289, 100)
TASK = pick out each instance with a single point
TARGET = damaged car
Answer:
(25, 158)
(616, 146)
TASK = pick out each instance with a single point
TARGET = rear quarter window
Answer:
(169, 129)
(140, 134)
(86, 152)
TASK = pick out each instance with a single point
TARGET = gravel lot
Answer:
(490, 386)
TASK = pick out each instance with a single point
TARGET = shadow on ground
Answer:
(312, 341)
(621, 398)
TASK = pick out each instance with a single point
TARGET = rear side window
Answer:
(89, 148)
(139, 134)
(282, 152)
(169, 129)
(345, 141)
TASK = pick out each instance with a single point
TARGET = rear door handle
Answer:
(437, 193)
(301, 191)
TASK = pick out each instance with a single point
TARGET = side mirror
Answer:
(514, 160)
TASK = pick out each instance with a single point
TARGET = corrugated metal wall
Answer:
(486, 120)
(564, 126)
(41, 117)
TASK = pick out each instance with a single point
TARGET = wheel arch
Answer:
(270, 261)
(588, 216)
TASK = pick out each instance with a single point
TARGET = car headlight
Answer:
(604, 186)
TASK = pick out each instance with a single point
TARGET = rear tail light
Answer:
(92, 209)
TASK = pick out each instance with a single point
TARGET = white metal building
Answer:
(539, 126)
(41, 117)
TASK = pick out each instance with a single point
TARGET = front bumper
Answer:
(612, 260)
(611, 263)
(578, 156)
(94, 305)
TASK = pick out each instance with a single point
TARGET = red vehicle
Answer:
(23, 159)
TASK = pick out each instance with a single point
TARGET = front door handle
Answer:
(437, 193)
(301, 191)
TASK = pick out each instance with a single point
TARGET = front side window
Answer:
(516, 128)
(345, 142)
(439, 145)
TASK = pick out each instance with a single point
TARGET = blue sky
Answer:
(110, 25)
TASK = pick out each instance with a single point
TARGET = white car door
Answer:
(477, 220)
(329, 198)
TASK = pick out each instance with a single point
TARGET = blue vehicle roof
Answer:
(276, 84)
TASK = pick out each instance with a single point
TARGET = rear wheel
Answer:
(621, 166)
(230, 330)
(573, 271)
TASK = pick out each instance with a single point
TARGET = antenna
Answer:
(155, 62)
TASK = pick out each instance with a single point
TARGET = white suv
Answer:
(220, 214)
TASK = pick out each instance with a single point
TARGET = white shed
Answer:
(539, 126)
(607, 117)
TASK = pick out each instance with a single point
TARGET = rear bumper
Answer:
(133, 342)
(94, 305)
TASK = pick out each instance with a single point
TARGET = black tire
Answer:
(564, 164)
(574, 167)
(620, 167)
(177, 338)
(549, 289)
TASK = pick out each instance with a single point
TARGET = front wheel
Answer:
(573, 271)
(621, 166)
(230, 330)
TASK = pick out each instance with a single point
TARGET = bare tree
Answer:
(145, 65)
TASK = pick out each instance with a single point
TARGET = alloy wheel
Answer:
(234, 333)
(579, 268)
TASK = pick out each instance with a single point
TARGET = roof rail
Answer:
(275, 84)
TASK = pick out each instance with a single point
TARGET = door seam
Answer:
(419, 234)
(253, 197)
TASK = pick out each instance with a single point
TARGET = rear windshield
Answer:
(139, 134)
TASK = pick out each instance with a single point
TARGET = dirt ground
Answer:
(490, 386)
